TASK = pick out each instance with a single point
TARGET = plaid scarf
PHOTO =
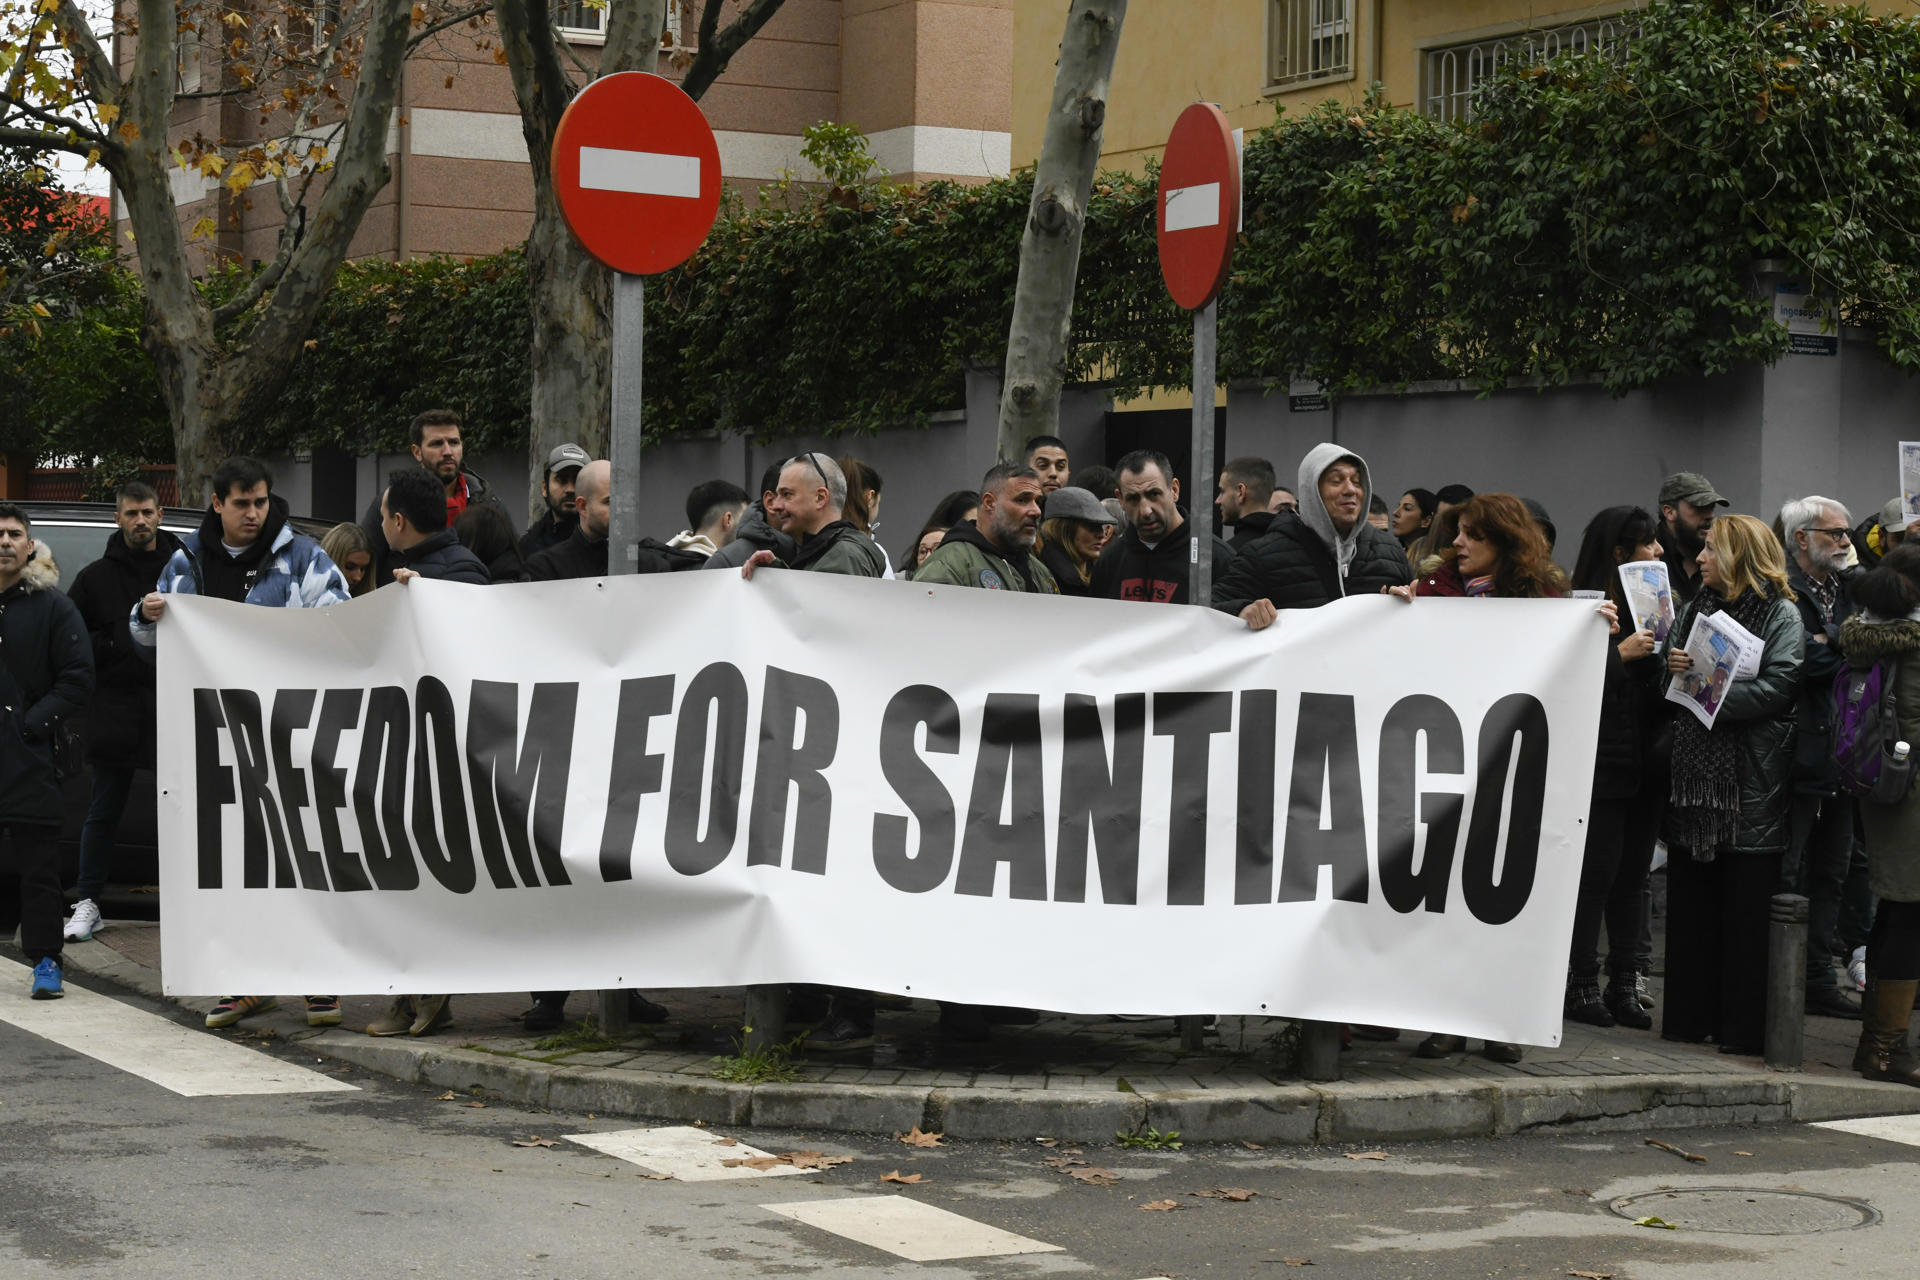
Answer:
(1705, 799)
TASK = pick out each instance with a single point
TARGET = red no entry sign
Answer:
(637, 172)
(1199, 205)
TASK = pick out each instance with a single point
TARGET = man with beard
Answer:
(994, 550)
(557, 524)
(246, 552)
(437, 448)
(1152, 559)
(120, 722)
(1687, 505)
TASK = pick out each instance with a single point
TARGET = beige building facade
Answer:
(928, 81)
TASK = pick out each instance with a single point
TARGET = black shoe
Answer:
(1501, 1051)
(1624, 1004)
(641, 1009)
(1585, 1005)
(841, 1034)
(1832, 1002)
(1439, 1045)
(964, 1022)
(546, 1015)
(1001, 1015)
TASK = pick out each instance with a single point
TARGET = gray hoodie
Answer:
(1313, 510)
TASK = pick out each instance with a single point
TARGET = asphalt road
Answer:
(106, 1173)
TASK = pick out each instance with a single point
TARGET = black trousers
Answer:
(1717, 948)
(30, 888)
(1893, 951)
(1816, 865)
(1599, 864)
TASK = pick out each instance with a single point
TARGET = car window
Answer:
(75, 545)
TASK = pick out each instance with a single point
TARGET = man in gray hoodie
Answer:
(1322, 553)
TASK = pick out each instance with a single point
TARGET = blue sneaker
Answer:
(46, 980)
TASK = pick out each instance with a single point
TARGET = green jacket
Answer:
(1892, 830)
(966, 559)
(840, 548)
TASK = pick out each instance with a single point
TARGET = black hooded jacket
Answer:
(479, 494)
(754, 534)
(120, 726)
(579, 558)
(440, 556)
(1248, 527)
(49, 665)
(230, 577)
(1131, 570)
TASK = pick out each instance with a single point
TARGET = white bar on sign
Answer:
(640, 173)
(1190, 207)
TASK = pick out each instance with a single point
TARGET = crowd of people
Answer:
(1741, 808)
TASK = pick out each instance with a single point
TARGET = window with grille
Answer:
(580, 18)
(1309, 40)
(1453, 74)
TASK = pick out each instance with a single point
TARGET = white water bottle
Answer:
(1900, 751)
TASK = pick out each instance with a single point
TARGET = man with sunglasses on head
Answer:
(808, 505)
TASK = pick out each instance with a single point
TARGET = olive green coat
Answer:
(1892, 830)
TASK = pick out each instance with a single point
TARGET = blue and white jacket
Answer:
(297, 575)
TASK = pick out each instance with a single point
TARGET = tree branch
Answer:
(452, 20)
(17, 138)
(716, 48)
(92, 61)
(633, 36)
(264, 279)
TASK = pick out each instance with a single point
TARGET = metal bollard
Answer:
(1319, 1051)
(1787, 982)
(766, 1018)
(610, 1013)
(1193, 1032)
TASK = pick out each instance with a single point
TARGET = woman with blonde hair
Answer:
(1071, 534)
(346, 545)
(1727, 822)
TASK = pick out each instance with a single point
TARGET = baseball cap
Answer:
(1691, 488)
(1893, 516)
(567, 456)
(1070, 502)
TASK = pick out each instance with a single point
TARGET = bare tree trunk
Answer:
(1050, 246)
(570, 293)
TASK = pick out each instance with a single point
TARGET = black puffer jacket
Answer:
(120, 717)
(1131, 570)
(1814, 770)
(1248, 527)
(441, 557)
(1761, 711)
(1293, 568)
(479, 494)
(579, 558)
(754, 534)
(43, 642)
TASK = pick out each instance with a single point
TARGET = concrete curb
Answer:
(1283, 1115)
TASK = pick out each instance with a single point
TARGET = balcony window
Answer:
(1453, 74)
(578, 18)
(1309, 40)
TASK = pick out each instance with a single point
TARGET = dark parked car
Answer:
(76, 535)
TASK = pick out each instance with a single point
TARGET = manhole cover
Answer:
(1749, 1211)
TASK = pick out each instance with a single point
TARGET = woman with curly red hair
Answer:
(1499, 552)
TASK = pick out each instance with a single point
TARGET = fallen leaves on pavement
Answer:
(1239, 1195)
(657, 1177)
(795, 1159)
(1366, 1155)
(448, 1096)
(908, 1179)
(915, 1138)
(1061, 1162)
(534, 1140)
(1095, 1177)
(1162, 1206)
(1251, 1146)
(477, 1106)
(1592, 1275)
(1297, 1262)
(1662, 1223)
(726, 1142)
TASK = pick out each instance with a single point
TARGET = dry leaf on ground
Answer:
(1298, 1262)
(657, 1177)
(1095, 1177)
(448, 1096)
(1048, 1142)
(1743, 1153)
(1060, 1162)
(796, 1159)
(477, 1106)
(1239, 1195)
(909, 1179)
(1162, 1206)
(1366, 1155)
(726, 1142)
(535, 1140)
(1592, 1275)
(1251, 1146)
(915, 1138)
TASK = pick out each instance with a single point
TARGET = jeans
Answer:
(111, 783)
(1816, 865)
(30, 888)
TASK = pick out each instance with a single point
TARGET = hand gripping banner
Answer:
(1372, 812)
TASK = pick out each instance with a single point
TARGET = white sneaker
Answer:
(85, 919)
(1857, 968)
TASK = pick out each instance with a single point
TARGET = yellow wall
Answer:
(1173, 52)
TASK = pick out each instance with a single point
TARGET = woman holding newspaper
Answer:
(1736, 675)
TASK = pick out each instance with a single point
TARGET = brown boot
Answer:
(1885, 1013)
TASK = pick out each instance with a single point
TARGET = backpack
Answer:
(1865, 729)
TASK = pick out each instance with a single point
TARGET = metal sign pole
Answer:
(1205, 322)
(623, 534)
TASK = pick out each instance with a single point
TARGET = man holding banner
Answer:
(994, 550)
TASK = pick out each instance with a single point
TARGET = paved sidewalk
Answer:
(1072, 1077)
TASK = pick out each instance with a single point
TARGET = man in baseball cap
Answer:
(556, 525)
(1687, 507)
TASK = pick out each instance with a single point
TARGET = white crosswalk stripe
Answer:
(909, 1229)
(190, 1063)
(1905, 1129)
(689, 1154)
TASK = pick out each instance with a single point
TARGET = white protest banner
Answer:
(690, 780)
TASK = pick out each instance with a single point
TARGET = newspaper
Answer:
(1649, 596)
(1721, 650)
